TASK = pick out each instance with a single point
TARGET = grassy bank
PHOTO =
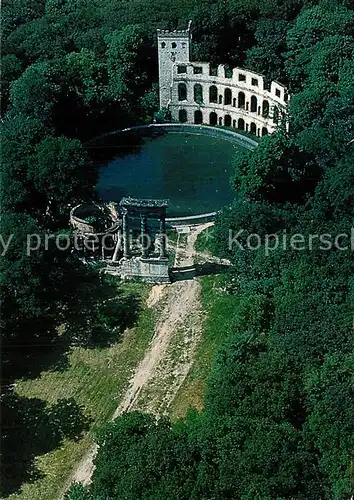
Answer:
(96, 379)
(205, 241)
(218, 308)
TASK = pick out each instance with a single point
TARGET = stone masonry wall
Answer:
(194, 95)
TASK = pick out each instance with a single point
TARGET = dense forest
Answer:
(278, 420)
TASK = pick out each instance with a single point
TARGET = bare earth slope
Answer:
(167, 361)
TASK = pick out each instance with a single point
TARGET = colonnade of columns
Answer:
(144, 234)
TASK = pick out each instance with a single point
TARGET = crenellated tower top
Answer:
(175, 33)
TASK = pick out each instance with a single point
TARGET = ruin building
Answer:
(194, 93)
(129, 237)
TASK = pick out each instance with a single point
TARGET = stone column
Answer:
(126, 250)
(118, 245)
(163, 254)
(144, 250)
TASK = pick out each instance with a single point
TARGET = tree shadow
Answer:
(95, 313)
(182, 273)
(102, 311)
(209, 268)
(31, 428)
(27, 355)
(205, 269)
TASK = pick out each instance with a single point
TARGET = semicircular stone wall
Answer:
(194, 93)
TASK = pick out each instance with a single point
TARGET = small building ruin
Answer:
(129, 237)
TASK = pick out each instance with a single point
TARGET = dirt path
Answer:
(166, 363)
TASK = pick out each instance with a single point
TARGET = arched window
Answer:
(163, 45)
(182, 92)
(241, 124)
(275, 114)
(174, 45)
(265, 108)
(227, 121)
(220, 120)
(198, 93)
(234, 102)
(241, 100)
(198, 117)
(253, 128)
(182, 115)
(220, 99)
(264, 131)
(254, 104)
(227, 97)
(213, 94)
(234, 123)
(213, 118)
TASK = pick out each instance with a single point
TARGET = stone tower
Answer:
(173, 46)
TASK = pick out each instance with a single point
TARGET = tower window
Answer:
(182, 92)
(181, 68)
(277, 92)
(174, 45)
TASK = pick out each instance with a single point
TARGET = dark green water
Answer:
(193, 171)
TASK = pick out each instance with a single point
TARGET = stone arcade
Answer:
(194, 93)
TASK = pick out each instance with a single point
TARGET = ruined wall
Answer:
(241, 100)
(149, 270)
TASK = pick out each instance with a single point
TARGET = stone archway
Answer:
(198, 117)
(265, 108)
(198, 93)
(241, 99)
(182, 115)
(227, 96)
(254, 104)
(213, 118)
(213, 94)
(241, 124)
(182, 91)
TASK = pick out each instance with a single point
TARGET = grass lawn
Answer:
(96, 379)
(218, 307)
